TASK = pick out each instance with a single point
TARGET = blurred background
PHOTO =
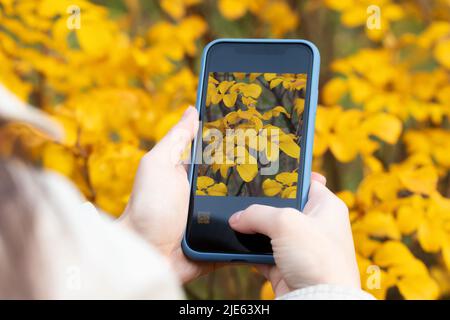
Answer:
(118, 74)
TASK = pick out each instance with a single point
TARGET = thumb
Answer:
(174, 143)
(322, 203)
(319, 178)
(266, 220)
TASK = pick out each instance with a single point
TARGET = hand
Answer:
(158, 206)
(312, 248)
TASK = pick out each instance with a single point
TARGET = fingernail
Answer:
(187, 112)
(319, 178)
(235, 217)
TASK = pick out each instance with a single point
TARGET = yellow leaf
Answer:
(326, 118)
(289, 146)
(348, 197)
(287, 178)
(219, 189)
(50, 8)
(392, 253)
(289, 192)
(247, 171)
(249, 102)
(252, 76)
(230, 99)
(442, 278)
(409, 219)
(435, 31)
(256, 124)
(95, 40)
(271, 187)
(233, 9)
(224, 170)
(442, 52)
(204, 182)
(393, 11)
(423, 180)
(354, 16)
(269, 76)
(378, 224)
(215, 98)
(275, 82)
(339, 5)
(280, 17)
(372, 163)
(212, 80)
(251, 90)
(446, 254)
(267, 291)
(175, 8)
(348, 122)
(299, 106)
(278, 110)
(231, 118)
(403, 265)
(343, 147)
(385, 126)
(70, 130)
(364, 244)
(225, 85)
(267, 115)
(334, 90)
(58, 158)
(275, 112)
(418, 288)
(360, 89)
(113, 205)
(430, 236)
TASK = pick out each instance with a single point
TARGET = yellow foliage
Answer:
(207, 186)
(177, 8)
(348, 133)
(284, 184)
(266, 292)
(355, 12)
(382, 137)
(277, 14)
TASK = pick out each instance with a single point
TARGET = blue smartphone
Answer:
(257, 102)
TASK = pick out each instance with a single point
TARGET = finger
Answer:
(266, 220)
(321, 201)
(174, 143)
(319, 178)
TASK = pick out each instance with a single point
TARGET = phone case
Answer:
(310, 115)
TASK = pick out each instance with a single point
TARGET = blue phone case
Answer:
(310, 115)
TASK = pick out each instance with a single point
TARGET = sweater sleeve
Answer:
(96, 258)
(327, 292)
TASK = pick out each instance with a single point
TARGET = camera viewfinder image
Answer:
(251, 135)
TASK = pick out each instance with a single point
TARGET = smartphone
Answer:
(257, 101)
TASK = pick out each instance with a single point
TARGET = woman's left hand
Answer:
(158, 206)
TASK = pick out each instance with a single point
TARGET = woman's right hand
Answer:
(310, 248)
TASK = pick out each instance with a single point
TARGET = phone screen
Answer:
(249, 152)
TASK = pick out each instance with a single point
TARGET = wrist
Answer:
(342, 279)
(125, 221)
(182, 268)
